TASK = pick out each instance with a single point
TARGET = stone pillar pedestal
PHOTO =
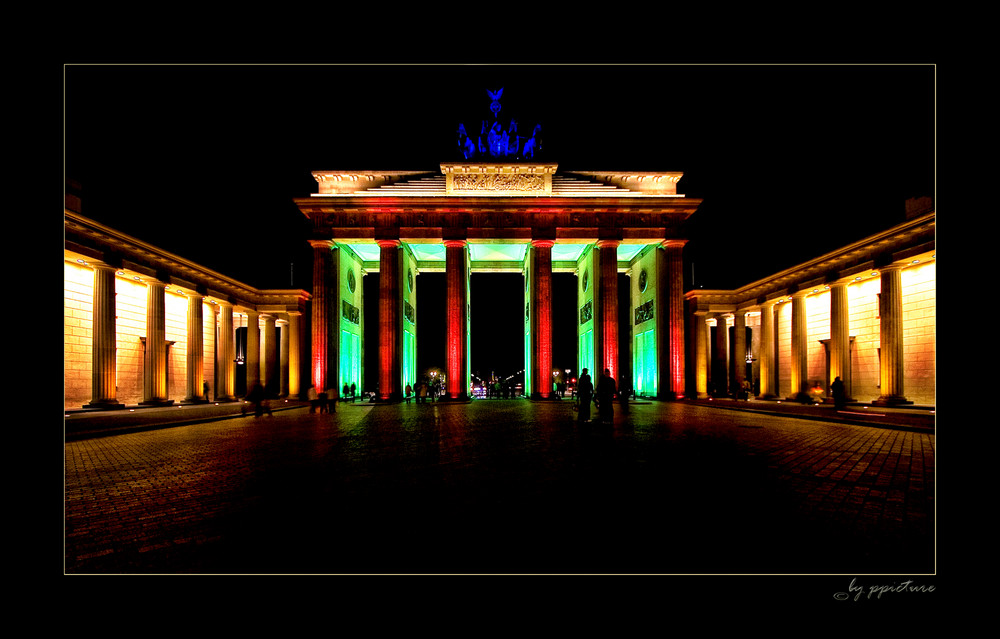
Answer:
(104, 345)
(891, 338)
(456, 318)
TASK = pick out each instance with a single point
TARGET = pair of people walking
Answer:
(603, 395)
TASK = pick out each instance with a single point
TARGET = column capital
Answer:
(455, 243)
(322, 244)
(607, 244)
(542, 243)
(388, 243)
(673, 243)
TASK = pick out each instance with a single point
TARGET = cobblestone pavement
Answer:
(503, 487)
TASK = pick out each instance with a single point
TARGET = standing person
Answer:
(409, 391)
(347, 391)
(839, 394)
(354, 389)
(313, 399)
(586, 395)
(606, 390)
(204, 388)
(323, 408)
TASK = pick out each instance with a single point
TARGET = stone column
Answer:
(720, 356)
(195, 349)
(104, 345)
(390, 357)
(740, 351)
(840, 337)
(283, 358)
(225, 385)
(253, 349)
(607, 317)
(324, 295)
(155, 360)
(768, 354)
(456, 320)
(891, 338)
(294, 354)
(269, 356)
(541, 319)
(672, 288)
(702, 354)
(799, 366)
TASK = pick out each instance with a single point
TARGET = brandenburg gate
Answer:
(507, 216)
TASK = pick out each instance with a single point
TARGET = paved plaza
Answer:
(502, 486)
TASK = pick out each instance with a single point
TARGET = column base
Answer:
(157, 402)
(110, 404)
(891, 401)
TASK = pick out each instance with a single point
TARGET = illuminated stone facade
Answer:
(145, 327)
(865, 313)
(514, 217)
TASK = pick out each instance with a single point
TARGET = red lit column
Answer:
(541, 318)
(390, 358)
(607, 314)
(456, 319)
(672, 288)
(155, 359)
(891, 338)
(323, 294)
(195, 349)
(104, 340)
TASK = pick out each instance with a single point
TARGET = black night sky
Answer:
(792, 160)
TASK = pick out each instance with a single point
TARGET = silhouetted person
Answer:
(354, 389)
(408, 391)
(204, 388)
(606, 390)
(313, 399)
(585, 393)
(839, 393)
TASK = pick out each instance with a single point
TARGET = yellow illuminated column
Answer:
(702, 354)
(768, 356)
(195, 349)
(799, 367)
(840, 337)
(294, 354)
(720, 356)
(154, 376)
(739, 350)
(225, 385)
(104, 335)
(253, 349)
(269, 355)
(283, 357)
(891, 337)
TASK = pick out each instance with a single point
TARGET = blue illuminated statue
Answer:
(494, 141)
